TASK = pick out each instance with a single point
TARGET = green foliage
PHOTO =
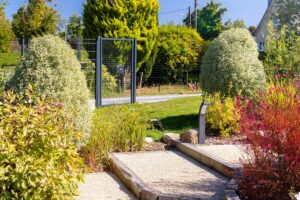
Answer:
(179, 49)
(74, 27)
(123, 19)
(50, 65)
(109, 83)
(282, 53)
(210, 20)
(288, 13)
(231, 66)
(6, 33)
(239, 23)
(222, 116)
(117, 129)
(147, 67)
(252, 30)
(35, 19)
(38, 155)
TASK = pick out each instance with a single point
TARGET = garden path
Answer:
(103, 186)
(142, 99)
(174, 174)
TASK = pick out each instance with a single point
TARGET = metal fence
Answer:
(118, 82)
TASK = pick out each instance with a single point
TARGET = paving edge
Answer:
(230, 191)
(140, 189)
(205, 158)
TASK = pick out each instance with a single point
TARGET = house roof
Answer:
(263, 18)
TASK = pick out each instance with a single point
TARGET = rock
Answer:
(190, 136)
(149, 139)
(156, 123)
(170, 138)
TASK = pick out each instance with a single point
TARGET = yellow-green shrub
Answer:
(38, 155)
(222, 117)
(122, 130)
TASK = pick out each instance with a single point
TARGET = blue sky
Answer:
(251, 11)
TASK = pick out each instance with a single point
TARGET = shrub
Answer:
(50, 65)
(272, 126)
(6, 34)
(109, 83)
(123, 129)
(179, 49)
(38, 156)
(282, 53)
(231, 66)
(222, 116)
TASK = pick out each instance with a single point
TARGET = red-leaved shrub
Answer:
(272, 126)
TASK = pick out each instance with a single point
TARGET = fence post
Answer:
(99, 72)
(22, 46)
(78, 49)
(133, 77)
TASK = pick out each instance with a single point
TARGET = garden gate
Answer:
(110, 68)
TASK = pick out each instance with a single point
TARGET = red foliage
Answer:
(272, 126)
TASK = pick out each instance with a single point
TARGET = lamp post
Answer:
(201, 130)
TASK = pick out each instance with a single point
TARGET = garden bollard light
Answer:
(201, 130)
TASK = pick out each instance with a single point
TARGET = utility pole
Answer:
(190, 17)
(196, 14)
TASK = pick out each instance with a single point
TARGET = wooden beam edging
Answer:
(140, 189)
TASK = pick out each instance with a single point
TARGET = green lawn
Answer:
(176, 115)
(10, 59)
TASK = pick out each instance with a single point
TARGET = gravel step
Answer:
(171, 173)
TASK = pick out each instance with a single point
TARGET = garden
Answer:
(50, 137)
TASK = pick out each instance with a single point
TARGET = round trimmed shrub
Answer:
(179, 50)
(231, 66)
(51, 66)
(109, 82)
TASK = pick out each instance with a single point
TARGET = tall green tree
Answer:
(74, 27)
(239, 23)
(288, 13)
(35, 19)
(123, 19)
(209, 21)
(6, 33)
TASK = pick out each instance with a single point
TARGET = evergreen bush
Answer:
(51, 66)
(231, 66)
(179, 50)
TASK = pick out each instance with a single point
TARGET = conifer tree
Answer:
(123, 19)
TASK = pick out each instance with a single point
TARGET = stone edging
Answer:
(210, 161)
(140, 189)
(204, 157)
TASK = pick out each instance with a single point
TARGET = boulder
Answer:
(156, 124)
(170, 139)
(190, 136)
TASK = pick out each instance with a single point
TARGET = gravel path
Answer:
(103, 186)
(173, 173)
(232, 154)
(142, 99)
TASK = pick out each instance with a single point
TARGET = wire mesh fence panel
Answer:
(117, 62)
(165, 80)
(9, 58)
(85, 50)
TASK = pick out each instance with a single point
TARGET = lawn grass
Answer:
(10, 59)
(176, 115)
